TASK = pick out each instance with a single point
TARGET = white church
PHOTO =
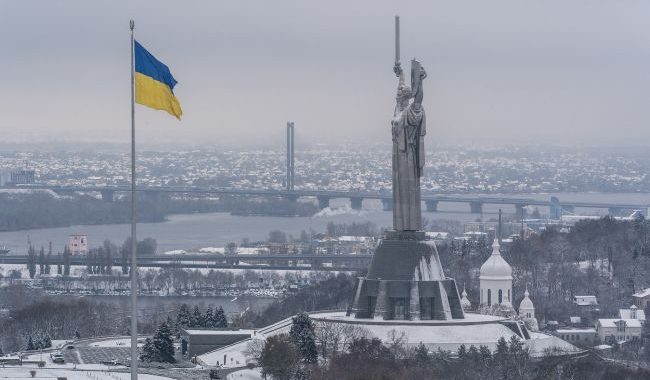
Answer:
(495, 283)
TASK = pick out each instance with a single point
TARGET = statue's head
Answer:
(404, 93)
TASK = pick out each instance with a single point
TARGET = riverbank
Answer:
(192, 232)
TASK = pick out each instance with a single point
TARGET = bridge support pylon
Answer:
(520, 210)
(292, 197)
(432, 206)
(323, 202)
(476, 207)
(615, 211)
(107, 195)
(356, 203)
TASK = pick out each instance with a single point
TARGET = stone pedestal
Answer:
(405, 281)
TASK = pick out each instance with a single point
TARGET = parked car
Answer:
(57, 357)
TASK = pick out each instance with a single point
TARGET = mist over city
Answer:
(324, 191)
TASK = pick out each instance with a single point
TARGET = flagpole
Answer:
(134, 241)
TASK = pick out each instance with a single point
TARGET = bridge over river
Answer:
(431, 200)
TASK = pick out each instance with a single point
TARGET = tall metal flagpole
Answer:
(134, 242)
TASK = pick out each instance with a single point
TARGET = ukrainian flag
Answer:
(154, 83)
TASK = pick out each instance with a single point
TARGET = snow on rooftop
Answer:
(611, 322)
(627, 314)
(570, 331)
(219, 332)
(642, 294)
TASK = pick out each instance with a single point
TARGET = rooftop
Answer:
(642, 294)
(218, 332)
(496, 267)
(611, 322)
(570, 331)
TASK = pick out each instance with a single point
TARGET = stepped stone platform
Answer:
(405, 281)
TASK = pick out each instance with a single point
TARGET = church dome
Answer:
(496, 267)
(526, 303)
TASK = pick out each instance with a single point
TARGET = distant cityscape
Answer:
(342, 168)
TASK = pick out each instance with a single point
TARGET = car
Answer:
(57, 357)
(70, 347)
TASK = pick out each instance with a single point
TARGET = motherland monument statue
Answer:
(405, 280)
(408, 129)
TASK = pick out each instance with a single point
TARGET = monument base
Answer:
(405, 281)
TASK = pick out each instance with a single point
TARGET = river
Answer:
(193, 231)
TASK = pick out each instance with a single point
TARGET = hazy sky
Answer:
(526, 71)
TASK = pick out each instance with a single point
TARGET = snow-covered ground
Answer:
(343, 210)
(15, 373)
(122, 342)
(246, 374)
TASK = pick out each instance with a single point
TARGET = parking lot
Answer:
(96, 355)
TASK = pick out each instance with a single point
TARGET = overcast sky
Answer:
(554, 71)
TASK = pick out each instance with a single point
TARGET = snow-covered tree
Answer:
(302, 335)
(164, 344)
(183, 318)
(30, 344)
(149, 353)
(197, 318)
(221, 321)
(208, 319)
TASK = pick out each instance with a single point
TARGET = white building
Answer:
(527, 312)
(642, 298)
(580, 337)
(78, 244)
(618, 330)
(632, 313)
(526, 307)
(496, 279)
(585, 300)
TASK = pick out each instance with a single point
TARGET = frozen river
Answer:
(192, 231)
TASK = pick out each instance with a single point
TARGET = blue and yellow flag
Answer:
(154, 83)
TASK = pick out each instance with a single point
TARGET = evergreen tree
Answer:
(41, 261)
(30, 344)
(183, 318)
(302, 335)
(149, 353)
(221, 321)
(125, 253)
(1, 352)
(59, 267)
(300, 375)
(473, 354)
(421, 354)
(208, 319)
(48, 259)
(164, 344)
(46, 342)
(100, 263)
(462, 352)
(31, 261)
(172, 326)
(109, 257)
(66, 260)
(197, 317)
(90, 260)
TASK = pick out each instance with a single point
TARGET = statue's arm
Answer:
(397, 69)
(419, 95)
